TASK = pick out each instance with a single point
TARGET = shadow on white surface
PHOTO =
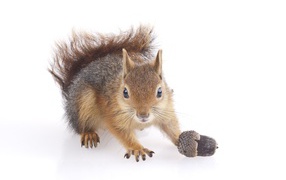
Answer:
(45, 151)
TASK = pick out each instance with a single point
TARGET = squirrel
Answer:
(115, 82)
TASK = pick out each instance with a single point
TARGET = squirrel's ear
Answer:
(128, 64)
(158, 63)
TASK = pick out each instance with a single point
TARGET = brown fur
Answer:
(85, 48)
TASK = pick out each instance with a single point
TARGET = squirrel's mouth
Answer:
(144, 118)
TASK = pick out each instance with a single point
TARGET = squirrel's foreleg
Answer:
(171, 128)
(130, 142)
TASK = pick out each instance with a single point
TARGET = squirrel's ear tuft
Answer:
(128, 64)
(158, 63)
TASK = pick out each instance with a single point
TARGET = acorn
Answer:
(192, 144)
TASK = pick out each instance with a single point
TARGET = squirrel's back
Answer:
(83, 49)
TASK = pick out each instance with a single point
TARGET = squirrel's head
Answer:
(144, 90)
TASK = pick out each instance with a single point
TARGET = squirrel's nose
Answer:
(143, 117)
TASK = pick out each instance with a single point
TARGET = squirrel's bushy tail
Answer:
(83, 48)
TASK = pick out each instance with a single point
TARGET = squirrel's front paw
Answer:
(139, 152)
(89, 139)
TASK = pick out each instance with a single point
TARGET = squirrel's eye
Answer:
(159, 92)
(125, 93)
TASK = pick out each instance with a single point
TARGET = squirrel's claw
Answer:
(127, 155)
(138, 153)
(89, 139)
(148, 152)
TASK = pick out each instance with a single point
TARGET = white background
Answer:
(225, 60)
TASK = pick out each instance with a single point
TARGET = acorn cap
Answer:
(192, 144)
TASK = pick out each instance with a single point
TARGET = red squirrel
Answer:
(115, 82)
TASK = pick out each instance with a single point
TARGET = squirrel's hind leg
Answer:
(88, 117)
